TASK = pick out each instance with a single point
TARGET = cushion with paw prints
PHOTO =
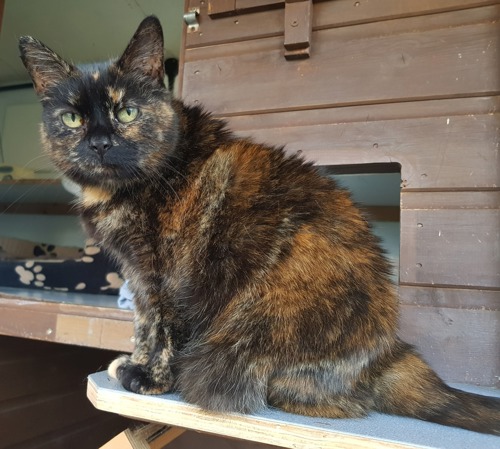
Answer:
(91, 271)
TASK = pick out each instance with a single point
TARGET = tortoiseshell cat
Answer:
(256, 280)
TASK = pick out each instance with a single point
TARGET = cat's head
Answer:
(107, 124)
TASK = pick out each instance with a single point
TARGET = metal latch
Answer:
(191, 19)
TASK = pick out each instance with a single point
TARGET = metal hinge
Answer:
(191, 19)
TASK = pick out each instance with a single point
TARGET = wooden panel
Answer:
(335, 13)
(42, 396)
(60, 372)
(96, 327)
(450, 247)
(472, 299)
(442, 152)
(375, 63)
(461, 345)
(90, 433)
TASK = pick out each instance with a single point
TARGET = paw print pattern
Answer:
(31, 273)
(87, 270)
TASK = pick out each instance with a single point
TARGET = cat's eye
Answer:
(127, 114)
(72, 120)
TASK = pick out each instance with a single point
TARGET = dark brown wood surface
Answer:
(410, 86)
(42, 396)
(380, 62)
(437, 152)
(333, 14)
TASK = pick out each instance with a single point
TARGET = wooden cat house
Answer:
(363, 88)
(375, 86)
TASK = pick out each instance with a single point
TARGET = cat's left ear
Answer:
(144, 54)
(46, 68)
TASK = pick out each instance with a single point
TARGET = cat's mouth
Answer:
(102, 174)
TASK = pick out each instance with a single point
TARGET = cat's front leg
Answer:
(146, 370)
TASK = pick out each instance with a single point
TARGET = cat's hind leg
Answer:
(307, 389)
(223, 379)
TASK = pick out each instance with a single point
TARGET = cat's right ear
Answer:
(45, 67)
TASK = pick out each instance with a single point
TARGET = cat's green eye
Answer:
(127, 114)
(72, 120)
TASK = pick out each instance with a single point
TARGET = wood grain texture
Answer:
(448, 297)
(437, 152)
(96, 327)
(416, 58)
(338, 13)
(42, 399)
(450, 247)
(460, 344)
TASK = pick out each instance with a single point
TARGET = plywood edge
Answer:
(250, 428)
(282, 429)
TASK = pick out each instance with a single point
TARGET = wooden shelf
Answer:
(84, 320)
(35, 196)
(286, 430)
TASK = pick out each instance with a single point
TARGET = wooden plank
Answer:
(451, 200)
(446, 152)
(374, 63)
(285, 430)
(90, 433)
(48, 412)
(442, 297)
(220, 7)
(450, 247)
(298, 28)
(461, 345)
(337, 13)
(54, 372)
(147, 436)
(96, 327)
(447, 108)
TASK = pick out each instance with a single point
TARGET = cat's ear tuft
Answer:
(144, 54)
(45, 67)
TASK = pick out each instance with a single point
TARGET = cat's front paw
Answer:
(138, 378)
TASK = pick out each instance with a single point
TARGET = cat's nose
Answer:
(100, 144)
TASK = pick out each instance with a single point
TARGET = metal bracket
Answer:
(191, 19)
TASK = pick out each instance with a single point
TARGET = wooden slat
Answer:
(455, 298)
(96, 327)
(460, 344)
(451, 200)
(355, 65)
(221, 7)
(334, 13)
(60, 371)
(450, 247)
(89, 433)
(443, 152)
(48, 412)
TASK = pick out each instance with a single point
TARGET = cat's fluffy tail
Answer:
(407, 386)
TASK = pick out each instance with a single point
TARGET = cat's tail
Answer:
(407, 386)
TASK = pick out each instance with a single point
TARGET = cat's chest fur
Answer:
(127, 227)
